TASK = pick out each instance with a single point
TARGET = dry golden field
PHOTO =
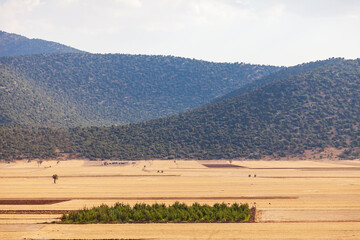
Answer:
(294, 199)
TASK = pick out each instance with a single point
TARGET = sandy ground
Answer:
(294, 199)
(187, 231)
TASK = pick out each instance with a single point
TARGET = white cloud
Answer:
(353, 16)
(18, 6)
(131, 3)
(275, 13)
(11, 12)
(66, 3)
(279, 32)
(323, 8)
(220, 11)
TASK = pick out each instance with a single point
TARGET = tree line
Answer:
(160, 213)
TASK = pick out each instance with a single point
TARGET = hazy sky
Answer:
(277, 32)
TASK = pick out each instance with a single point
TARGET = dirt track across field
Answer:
(310, 168)
(95, 176)
(53, 201)
(31, 201)
(222, 166)
(89, 239)
(34, 211)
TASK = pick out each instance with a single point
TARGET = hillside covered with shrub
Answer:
(80, 89)
(276, 76)
(312, 110)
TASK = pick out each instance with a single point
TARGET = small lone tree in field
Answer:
(55, 177)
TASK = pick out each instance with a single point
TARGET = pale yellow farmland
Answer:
(294, 199)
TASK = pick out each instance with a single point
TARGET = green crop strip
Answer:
(160, 213)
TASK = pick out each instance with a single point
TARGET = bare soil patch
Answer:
(311, 168)
(97, 176)
(191, 198)
(31, 201)
(16, 227)
(305, 231)
(305, 177)
(87, 239)
(302, 215)
(252, 215)
(222, 166)
(34, 211)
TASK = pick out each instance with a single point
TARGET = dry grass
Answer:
(295, 199)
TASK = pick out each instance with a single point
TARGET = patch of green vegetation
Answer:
(160, 213)
(18, 142)
(350, 154)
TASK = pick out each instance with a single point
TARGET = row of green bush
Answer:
(160, 213)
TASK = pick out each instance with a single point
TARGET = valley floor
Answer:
(294, 199)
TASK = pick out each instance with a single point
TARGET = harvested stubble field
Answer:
(294, 199)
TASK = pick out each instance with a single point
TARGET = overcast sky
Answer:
(276, 32)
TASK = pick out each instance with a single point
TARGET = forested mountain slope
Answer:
(312, 110)
(18, 142)
(25, 101)
(15, 45)
(80, 89)
(281, 74)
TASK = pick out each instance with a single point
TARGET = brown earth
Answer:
(31, 201)
(52, 201)
(91, 176)
(34, 211)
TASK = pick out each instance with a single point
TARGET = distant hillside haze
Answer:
(15, 45)
(81, 89)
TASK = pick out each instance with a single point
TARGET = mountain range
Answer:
(83, 89)
(14, 45)
(313, 110)
(119, 106)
